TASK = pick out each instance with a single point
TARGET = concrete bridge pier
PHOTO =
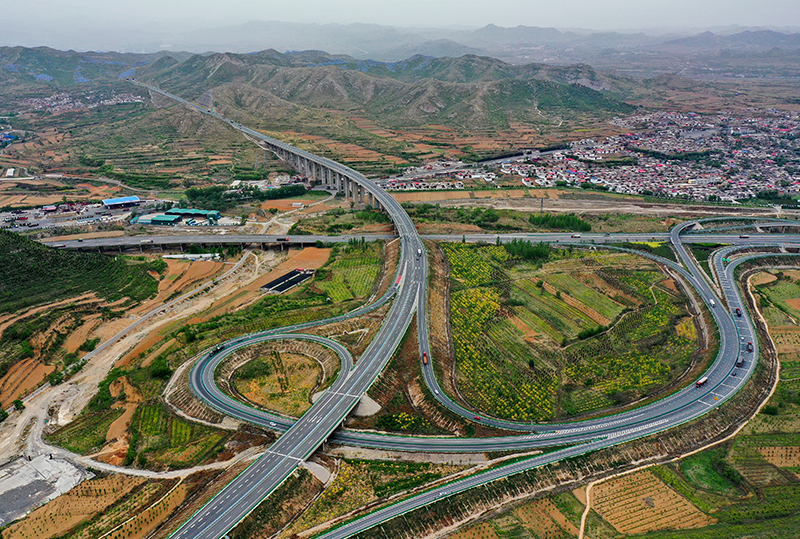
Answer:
(339, 183)
(347, 186)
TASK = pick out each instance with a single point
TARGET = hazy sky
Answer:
(57, 15)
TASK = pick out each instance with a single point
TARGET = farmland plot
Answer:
(352, 272)
(80, 504)
(531, 340)
(641, 502)
(284, 385)
(164, 440)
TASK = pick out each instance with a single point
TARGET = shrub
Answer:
(159, 369)
(770, 409)
(526, 250)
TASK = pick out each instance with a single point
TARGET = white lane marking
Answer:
(285, 456)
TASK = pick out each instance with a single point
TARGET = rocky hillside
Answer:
(469, 91)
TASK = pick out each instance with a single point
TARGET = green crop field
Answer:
(528, 338)
(87, 433)
(165, 440)
(586, 295)
(780, 294)
(568, 320)
(351, 273)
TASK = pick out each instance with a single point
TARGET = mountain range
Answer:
(469, 91)
(521, 44)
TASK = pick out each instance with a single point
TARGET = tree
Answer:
(159, 368)
(3, 415)
(19, 405)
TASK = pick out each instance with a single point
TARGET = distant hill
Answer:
(435, 47)
(755, 41)
(521, 34)
(67, 68)
(470, 91)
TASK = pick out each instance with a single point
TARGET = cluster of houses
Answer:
(719, 157)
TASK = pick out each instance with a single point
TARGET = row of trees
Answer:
(564, 221)
(221, 198)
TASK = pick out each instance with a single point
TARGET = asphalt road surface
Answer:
(151, 242)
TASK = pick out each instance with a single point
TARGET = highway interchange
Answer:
(591, 435)
(323, 420)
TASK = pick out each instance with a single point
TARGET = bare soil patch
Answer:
(794, 303)
(21, 378)
(122, 386)
(670, 284)
(182, 274)
(288, 388)
(317, 208)
(81, 334)
(308, 258)
(782, 457)
(431, 196)
(641, 502)
(545, 520)
(506, 193)
(112, 327)
(762, 278)
(286, 204)
(145, 344)
(525, 329)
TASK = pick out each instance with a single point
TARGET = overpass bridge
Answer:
(181, 243)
